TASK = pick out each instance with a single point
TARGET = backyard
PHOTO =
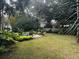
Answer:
(50, 46)
(39, 29)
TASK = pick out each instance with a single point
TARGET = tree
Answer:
(60, 10)
(5, 9)
(2, 4)
(26, 23)
(12, 8)
(78, 20)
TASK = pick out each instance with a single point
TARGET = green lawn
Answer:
(51, 46)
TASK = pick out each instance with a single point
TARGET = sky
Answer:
(8, 1)
(44, 1)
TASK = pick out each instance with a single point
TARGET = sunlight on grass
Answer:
(51, 46)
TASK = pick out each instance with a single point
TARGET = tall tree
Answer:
(2, 3)
(77, 1)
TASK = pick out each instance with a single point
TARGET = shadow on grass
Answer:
(10, 49)
(25, 40)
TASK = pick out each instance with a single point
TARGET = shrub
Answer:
(61, 31)
(6, 39)
(10, 40)
(6, 42)
(2, 49)
(21, 38)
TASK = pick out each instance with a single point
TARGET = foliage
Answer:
(21, 5)
(2, 49)
(22, 38)
(51, 46)
(64, 11)
(6, 39)
(26, 23)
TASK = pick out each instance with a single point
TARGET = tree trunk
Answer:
(77, 1)
(0, 21)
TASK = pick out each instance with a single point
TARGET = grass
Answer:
(51, 46)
